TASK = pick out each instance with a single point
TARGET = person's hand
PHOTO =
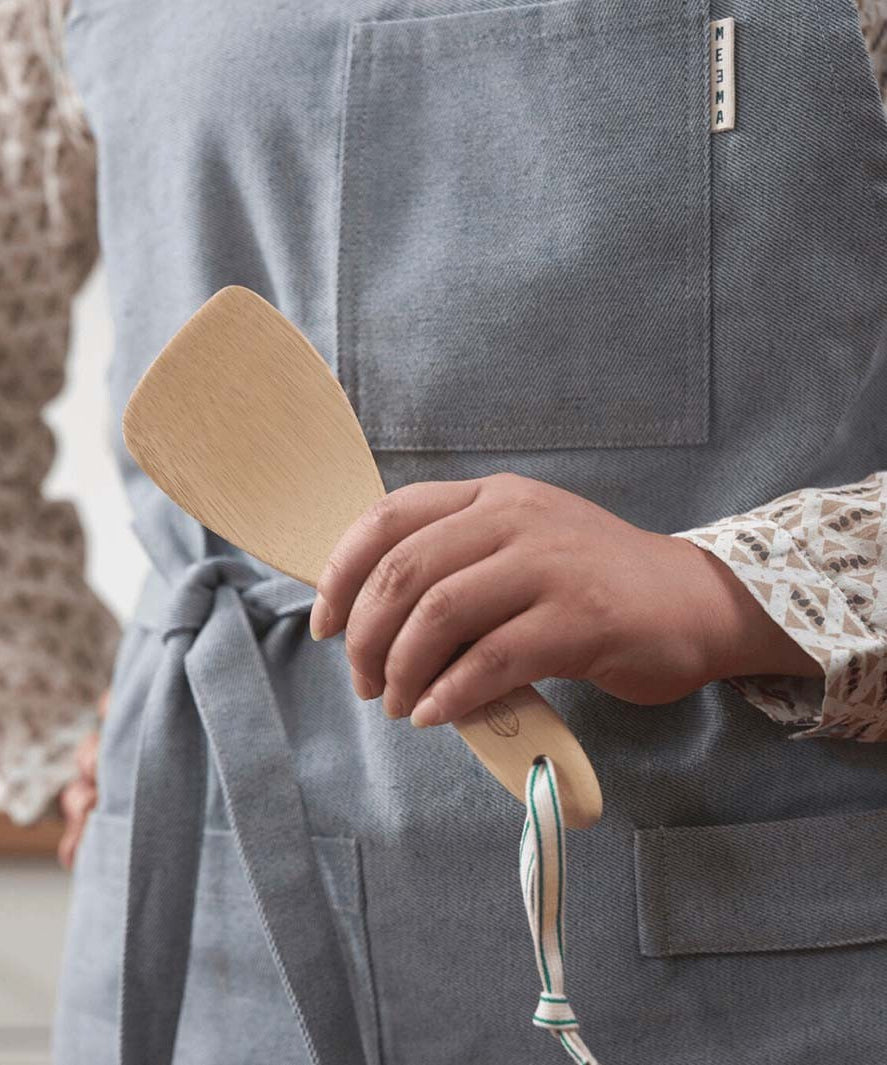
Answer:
(79, 796)
(541, 583)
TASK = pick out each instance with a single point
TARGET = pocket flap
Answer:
(782, 885)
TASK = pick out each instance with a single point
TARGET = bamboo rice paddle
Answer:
(241, 422)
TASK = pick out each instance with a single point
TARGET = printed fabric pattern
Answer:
(57, 640)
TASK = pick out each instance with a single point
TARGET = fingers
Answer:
(87, 756)
(75, 802)
(360, 548)
(67, 846)
(406, 576)
(506, 658)
(69, 843)
(80, 796)
(457, 610)
(77, 799)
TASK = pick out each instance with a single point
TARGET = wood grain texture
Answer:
(241, 422)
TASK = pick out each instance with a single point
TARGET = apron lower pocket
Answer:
(524, 228)
(234, 1008)
(802, 884)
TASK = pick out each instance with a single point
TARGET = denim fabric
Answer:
(556, 219)
(776, 885)
(485, 159)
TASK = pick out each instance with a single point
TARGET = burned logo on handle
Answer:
(501, 719)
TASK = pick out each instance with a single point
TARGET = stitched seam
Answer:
(666, 861)
(752, 946)
(340, 171)
(707, 326)
(360, 227)
(384, 442)
(379, 1047)
(400, 32)
(754, 826)
(350, 277)
(672, 423)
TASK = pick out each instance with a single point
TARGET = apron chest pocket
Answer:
(524, 228)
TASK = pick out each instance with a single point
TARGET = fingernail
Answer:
(319, 620)
(425, 713)
(362, 685)
(393, 707)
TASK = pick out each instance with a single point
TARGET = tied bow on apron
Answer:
(212, 691)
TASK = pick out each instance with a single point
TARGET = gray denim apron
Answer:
(509, 229)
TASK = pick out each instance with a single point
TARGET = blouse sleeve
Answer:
(815, 560)
(56, 638)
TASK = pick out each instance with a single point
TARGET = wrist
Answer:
(739, 638)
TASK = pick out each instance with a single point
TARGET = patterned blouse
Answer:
(812, 558)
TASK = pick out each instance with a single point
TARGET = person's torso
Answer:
(511, 232)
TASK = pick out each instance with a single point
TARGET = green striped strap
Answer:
(543, 879)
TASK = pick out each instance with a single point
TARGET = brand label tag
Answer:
(722, 75)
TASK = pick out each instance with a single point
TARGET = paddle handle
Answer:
(507, 734)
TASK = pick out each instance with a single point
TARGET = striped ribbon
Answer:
(543, 878)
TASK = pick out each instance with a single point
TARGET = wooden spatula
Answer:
(241, 422)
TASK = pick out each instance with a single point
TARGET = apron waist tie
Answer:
(212, 691)
(543, 879)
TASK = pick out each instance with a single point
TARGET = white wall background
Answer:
(33, 908)
(83, 469)
(34, 892)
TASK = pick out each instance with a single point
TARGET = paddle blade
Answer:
(241, 422)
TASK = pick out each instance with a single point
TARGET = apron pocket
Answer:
(234, 1008)
(801, 884)
(340, 869)
(524, 228)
